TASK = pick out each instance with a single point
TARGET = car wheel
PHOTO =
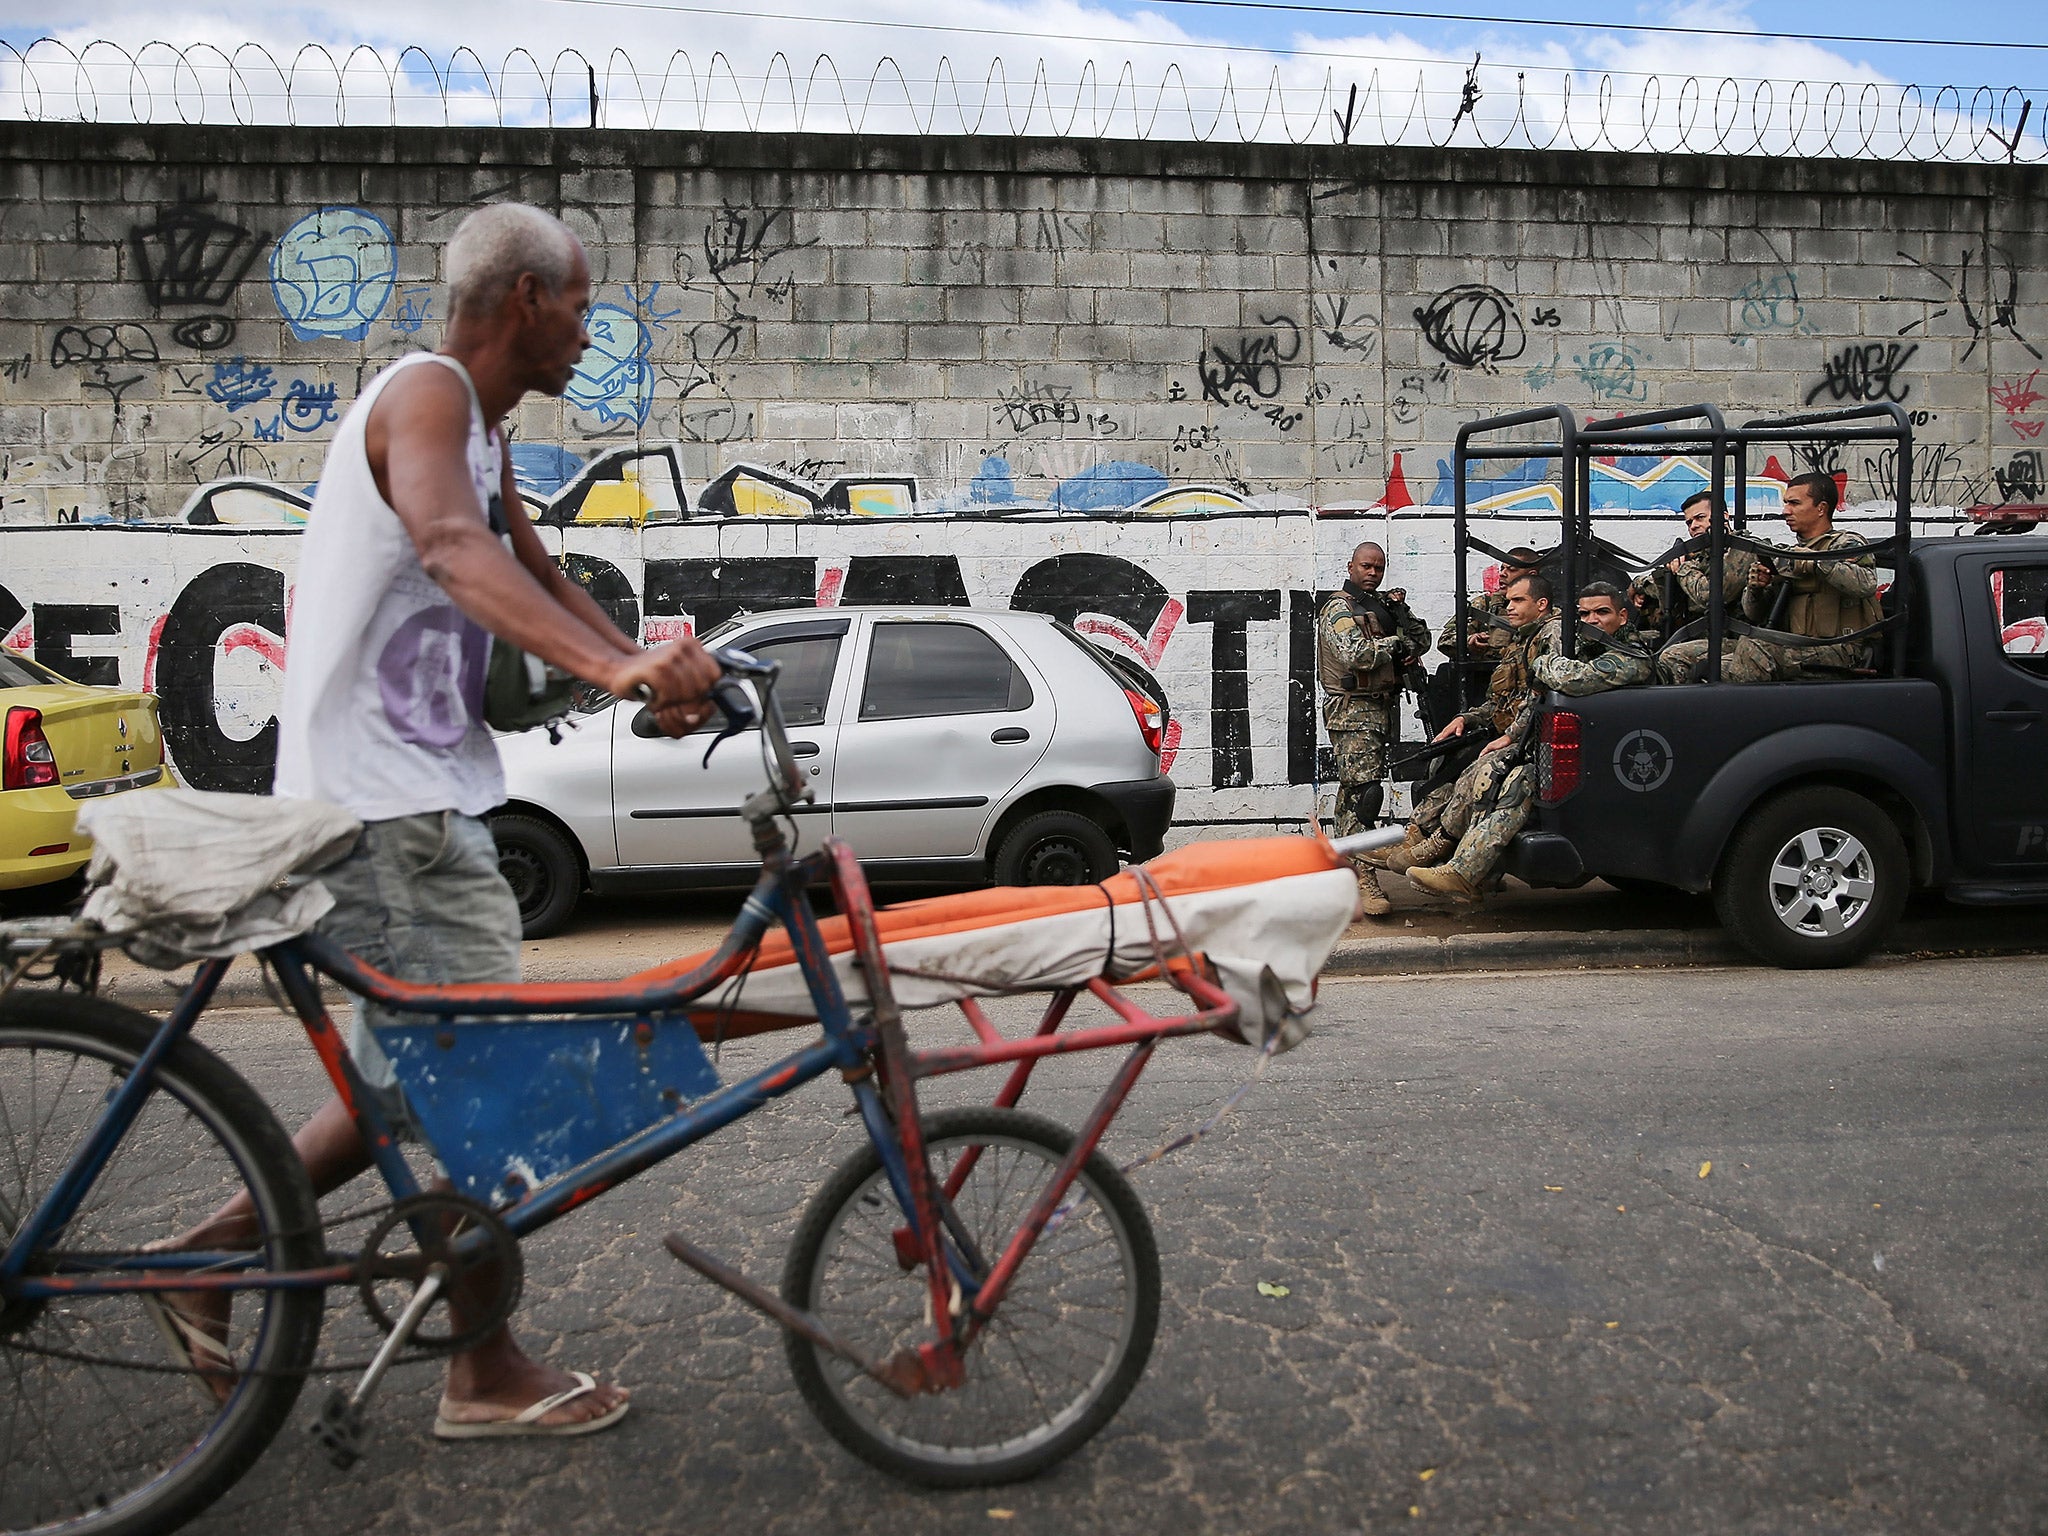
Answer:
(542, 869)
(1054, 848)
(1815, 878)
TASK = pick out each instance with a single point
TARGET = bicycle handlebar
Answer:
(785, 779)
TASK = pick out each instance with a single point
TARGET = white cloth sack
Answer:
(187, 874)
(1265, 914)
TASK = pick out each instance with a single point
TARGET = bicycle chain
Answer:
(337, 1368)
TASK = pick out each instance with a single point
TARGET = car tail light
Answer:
(29, 763)
(1151, 719)
(1557, 756)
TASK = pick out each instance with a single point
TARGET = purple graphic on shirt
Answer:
(431, 677)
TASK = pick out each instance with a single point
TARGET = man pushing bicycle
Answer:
(404, 581)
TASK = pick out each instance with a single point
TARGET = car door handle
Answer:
(2012, 714)
(803, 749)
(1010, 733)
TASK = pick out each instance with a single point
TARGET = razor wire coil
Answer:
(1493, 106)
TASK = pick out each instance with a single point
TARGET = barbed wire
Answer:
(1497, 106)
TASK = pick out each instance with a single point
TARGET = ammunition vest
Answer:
(1337, 678)
(1821, 611)
(1512, 675)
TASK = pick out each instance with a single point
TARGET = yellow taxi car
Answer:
(63, 745)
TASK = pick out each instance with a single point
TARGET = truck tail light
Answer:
(1557, 756)
(1151, 719)
(28, 762)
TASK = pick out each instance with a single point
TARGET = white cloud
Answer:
(1038, 66)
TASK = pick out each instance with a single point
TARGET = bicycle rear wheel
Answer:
(1053, 1365)
(94, 1436)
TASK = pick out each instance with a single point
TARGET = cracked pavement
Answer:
(1513, 1302)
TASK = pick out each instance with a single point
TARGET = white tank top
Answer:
(384, 676)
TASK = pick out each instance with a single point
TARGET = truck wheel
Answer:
(542, 869)
(1815, 878)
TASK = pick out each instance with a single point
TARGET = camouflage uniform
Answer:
(1490, 803)
(1357, 660)
(1509, 709)
(1691, 582)
(1829, 597)
(1491, 641)
(1597, 670)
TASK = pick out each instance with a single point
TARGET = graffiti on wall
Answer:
(332, 273)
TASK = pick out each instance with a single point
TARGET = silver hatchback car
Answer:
(947, 745)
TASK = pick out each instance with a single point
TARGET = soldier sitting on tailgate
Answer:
(1611, 652)
(1443, 819)
(1364, 637)
(1818, 599)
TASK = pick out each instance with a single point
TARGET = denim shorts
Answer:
(420, 898)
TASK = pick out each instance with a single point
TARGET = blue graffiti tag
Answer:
(615, 378)
(332, 272)
(308, 407)
(238, 382)
(271, 431)
(414, 311)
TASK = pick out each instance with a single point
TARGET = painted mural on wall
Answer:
(1220, 614)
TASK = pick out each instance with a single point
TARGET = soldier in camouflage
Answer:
(1824, 598)
(1507, 714)
(1690, 587)
(1363, 638)
(1484, 642)
(1484, 819)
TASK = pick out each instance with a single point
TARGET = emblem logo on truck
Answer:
(1643, 761)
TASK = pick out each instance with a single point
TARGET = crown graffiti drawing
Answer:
(191, 256)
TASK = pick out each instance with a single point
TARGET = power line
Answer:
(1598, 26)
(1184, 45)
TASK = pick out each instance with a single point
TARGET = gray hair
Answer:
(497, 243)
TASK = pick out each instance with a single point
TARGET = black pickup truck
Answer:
(1810, 808)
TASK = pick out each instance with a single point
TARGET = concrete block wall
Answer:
(1031, 339)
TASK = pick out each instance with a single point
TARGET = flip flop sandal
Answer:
(198, 1351)
(526, 1423)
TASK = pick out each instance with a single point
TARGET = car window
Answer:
(938, 669)
(2019, 597)
(20, 672)
(805, 686)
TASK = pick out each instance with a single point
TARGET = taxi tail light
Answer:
(1558, 756)
(28, 763)
(1151, 719)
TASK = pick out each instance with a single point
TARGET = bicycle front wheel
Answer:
(95, 1436)
(1053, 1365)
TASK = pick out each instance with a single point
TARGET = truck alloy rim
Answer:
(1822, 882)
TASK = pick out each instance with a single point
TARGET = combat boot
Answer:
(1372, 901)
(1383, 858)
(1429, 851)
(1446, 881)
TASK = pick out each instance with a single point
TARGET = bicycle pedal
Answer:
(341, 1429)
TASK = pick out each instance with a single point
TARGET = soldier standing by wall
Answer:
(1363, 639)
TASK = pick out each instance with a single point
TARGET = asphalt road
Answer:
(1513, 1300)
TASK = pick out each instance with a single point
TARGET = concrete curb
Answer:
(1621, 949)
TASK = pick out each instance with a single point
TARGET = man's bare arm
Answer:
(532, 554)
(417, 440)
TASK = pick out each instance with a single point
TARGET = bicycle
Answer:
(968, 1299)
